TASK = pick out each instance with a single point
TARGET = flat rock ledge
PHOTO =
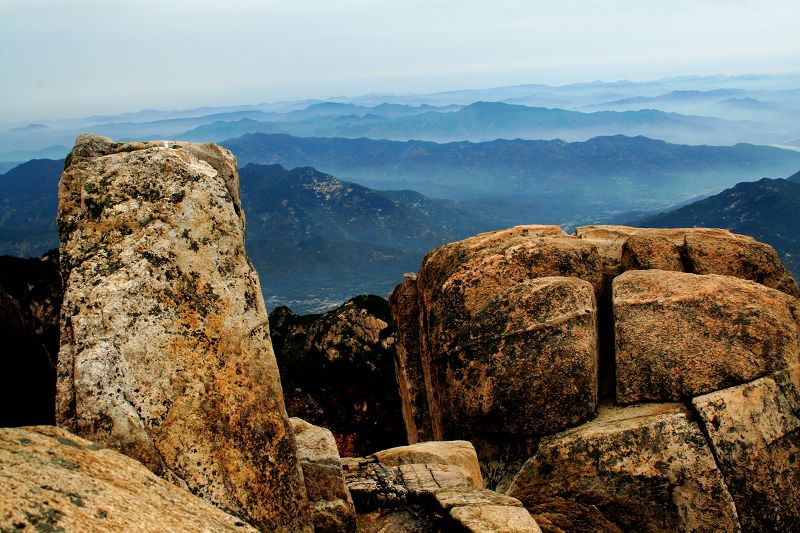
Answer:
(421, 497)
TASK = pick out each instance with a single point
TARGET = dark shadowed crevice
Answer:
(605, 332)
(688, 265)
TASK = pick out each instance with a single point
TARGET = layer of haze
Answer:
(65, 59)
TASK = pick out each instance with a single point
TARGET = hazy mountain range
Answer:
(711, 110)
(602, 175)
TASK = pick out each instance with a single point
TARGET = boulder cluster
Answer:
(653, 374)
(616, 379)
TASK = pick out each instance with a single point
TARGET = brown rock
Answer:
(404, 302)
(331, 505)
(755, 433)
(741, 257)
(526, 364)
(646, 468)
(455, 452)
(55, 481)
(165, 349)
(646, 252)
(680, 335)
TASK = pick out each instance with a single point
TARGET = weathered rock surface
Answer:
(331, 505)
(337, 371)
(404, 302)
(679, 335)
(165, 349)
(646, 468)
(52, 480)
(755, 433)
(647, 252)
(451, 452)
(526, 364)
(701, 251)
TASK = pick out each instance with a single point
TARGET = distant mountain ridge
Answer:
(485, 121)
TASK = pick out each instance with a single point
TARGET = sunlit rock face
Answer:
(165, 348)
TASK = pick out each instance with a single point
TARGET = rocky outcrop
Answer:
(165, 349)
(30, 302)
(337, 371)
(331, 505)
(52, 480)
(613, 315)
(754, 430)
(679, 335)
(406, 495)
(27, 379)
(35, 283)
(646, 468)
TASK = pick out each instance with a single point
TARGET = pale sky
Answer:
(67, 58)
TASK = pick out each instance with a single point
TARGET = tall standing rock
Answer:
(165, 348)
(404, 301)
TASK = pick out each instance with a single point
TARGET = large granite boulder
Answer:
(165, 348)
(694, 315)
(52, 480)
(754, 430)
(337, 371)
(646, 468)
(679, 335)
(526, 364)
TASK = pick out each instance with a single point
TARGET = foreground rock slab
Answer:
(165, 349)
(452, 452)
(679, 335)
(439, 496)
(331, 505)
(755, 433)
(52, 480)
(646, 468)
